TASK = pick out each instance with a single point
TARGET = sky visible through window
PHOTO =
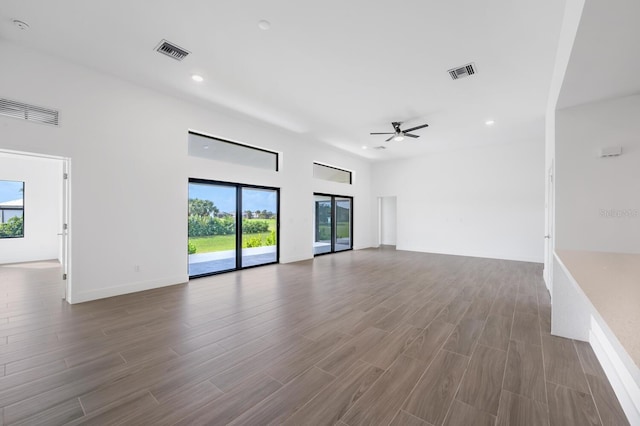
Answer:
(10, 190)
(224, 197)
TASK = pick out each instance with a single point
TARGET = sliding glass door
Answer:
(259, 226)
(333, 228)
(323, 224)
(343, 223)
(231, 226)
(212, 228)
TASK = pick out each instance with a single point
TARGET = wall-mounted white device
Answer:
(611, 151)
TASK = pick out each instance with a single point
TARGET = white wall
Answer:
(42, 208)
(597, 201)
(486, 202)
(570, 22)
(388, 221)
(130, 169)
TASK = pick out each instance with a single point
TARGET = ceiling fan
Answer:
(399, 134)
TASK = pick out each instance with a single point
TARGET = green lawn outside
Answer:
(342, 231)
(214, 243)
(272, 223)
(219, 242)
(226, 242)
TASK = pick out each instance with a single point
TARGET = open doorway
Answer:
(43, 199)
(387, 221)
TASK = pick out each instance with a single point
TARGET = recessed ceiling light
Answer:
(364, 147)
(21, 24)
(197, 78)
(489, 122)
(206, 147)
(264, 24)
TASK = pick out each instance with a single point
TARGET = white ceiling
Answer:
(605, 59)
(331, 70)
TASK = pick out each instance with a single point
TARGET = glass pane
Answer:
(320, 171)
(212, 228)
(11, 209)
(259, 226)
(343, 224)
(230, 152)
(322, 227)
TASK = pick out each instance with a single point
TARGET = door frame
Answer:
(64, 252)
(549, 234)
(380, 204)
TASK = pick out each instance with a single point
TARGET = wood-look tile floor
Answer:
(358, 338)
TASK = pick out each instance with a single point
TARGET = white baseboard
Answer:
(625, 387)
(302, 258)
(486, 255)
(546, 276)
(119, 290)
(14, 260)
(295, 259)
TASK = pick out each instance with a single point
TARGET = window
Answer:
(333, 227)
(11, 209)
(333, 174)
(231, 152)
(231, 226)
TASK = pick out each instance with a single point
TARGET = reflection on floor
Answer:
(322, 247)
(32, 282)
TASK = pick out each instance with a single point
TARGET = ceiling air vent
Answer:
(463, 71)
(380, 147)
(28, 112)
(172, 50)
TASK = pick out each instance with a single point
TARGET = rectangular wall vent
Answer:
(172, 50)
(463, 71)
(380, 147)
(28, 112)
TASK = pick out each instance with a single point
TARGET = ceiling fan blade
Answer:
(382, 133)
(415, 128)
(391, 137)
(411, 136)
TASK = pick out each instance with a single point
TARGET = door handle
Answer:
(546, 237)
